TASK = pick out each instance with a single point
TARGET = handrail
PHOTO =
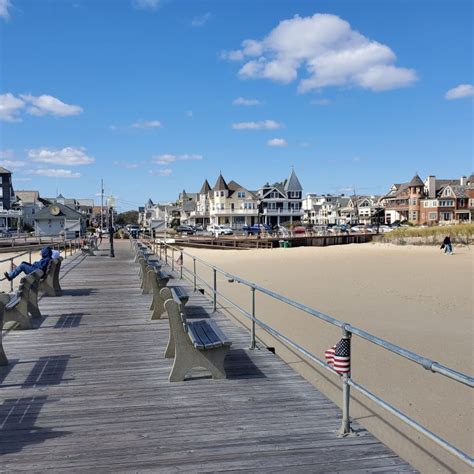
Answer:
(347, 330)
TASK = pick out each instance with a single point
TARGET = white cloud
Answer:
(147, 124)
(320, 102)
(12, 164)
(10, 107)
(261, 125)
(327, 49)
(248, 102)
(4, 6)
(146, 4)
(49, 105)
(168, 158)
(55, 173)
(162, 172)
(201, 20)
(460, 92)
(126, 165)
(69, 156)
(6, 154)
(277, 142)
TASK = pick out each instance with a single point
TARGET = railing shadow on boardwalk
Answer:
(18, 417)
(78, 291)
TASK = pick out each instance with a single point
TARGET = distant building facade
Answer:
(59, 219)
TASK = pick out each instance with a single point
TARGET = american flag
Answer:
(339, 356)
(179, 260)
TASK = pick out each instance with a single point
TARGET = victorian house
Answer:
(282, 202)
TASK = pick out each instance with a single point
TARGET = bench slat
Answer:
(222, 337)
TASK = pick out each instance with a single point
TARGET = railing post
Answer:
(11, 269)
(346, 429)
(161, 245)
(253, 343)
(172, 259)
(166, 254)
(194, 273)
(214, 303)
(29, 256)
(181, 266)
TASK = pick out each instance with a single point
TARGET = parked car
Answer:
(281, 231)
(256, 229)
(219, 229)
(198, 227)
(299, 230)
(185, 229)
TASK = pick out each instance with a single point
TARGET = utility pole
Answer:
(101, 204)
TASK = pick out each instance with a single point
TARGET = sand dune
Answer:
(416, 297)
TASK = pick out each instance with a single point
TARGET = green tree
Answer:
(129, 217)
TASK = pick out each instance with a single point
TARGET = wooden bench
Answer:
(158, 281)
(49, 284)
(17, 310)
(4, 299)
(198, 343)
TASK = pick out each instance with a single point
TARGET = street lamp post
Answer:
(111, 203)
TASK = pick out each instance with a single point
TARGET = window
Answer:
(432, 216)
(241, 194)
(274, 195)
(413, 216)
(413, 201)
(447, 192)
(446, 216)
(222, 193)
(271, 205)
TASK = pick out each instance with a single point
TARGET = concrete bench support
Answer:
(158, 281)
(33, 307)
(197, 344)
(4, 299)
(175, 293)
(49, 285)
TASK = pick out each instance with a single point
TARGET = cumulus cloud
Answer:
(4, 6)
(147, 124)
(125, 164)
(6, 154)
(261, 125)
(12, 164)
(329, 52)
(247, 102)
(168, 158)
(69, 156)
(55, 173)
(320, 102)
(277, 142)
(10, 107)
(146, 4)
(162, 172)
(201, 20)
(49, 105)
(460, 92)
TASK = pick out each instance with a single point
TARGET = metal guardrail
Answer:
(347, 331)
(72, 245)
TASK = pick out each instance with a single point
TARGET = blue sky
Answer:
(155, 96)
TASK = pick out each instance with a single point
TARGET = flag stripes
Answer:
(339, 356)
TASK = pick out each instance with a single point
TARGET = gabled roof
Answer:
(220, 185)
(205, 187)
(65, 212)
(27, 197)
(416, 181)
(4, 170)
(293, 183)
(458, 190)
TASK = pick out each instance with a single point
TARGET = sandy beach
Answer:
(6, 266)
(415, 297)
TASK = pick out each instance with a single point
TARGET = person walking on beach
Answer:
(27, 268)
(447, 245)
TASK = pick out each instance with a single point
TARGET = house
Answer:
(58, 219)
(7, 199)
(29, 203)
(201, 215)
(232, 204)
(324, 209)
(281, 203)
(431, 202)
(187, 205)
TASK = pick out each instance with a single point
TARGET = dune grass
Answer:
(462, 234)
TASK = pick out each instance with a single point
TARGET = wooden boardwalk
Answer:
(87, 390)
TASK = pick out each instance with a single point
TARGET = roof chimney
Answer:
(463, 181)
(431, 185)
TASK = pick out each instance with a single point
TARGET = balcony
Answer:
(234, 212)
(282, 212)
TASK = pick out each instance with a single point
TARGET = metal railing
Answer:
(65, 245)
(347, 332)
